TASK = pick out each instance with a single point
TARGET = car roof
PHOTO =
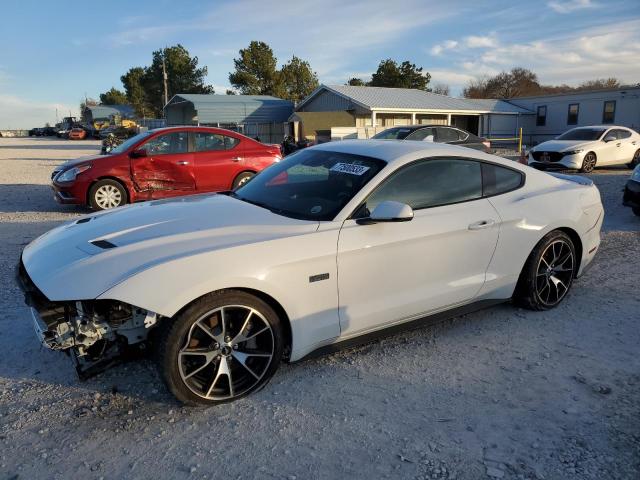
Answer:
(400, 151)
(418, 127)
(600, 126)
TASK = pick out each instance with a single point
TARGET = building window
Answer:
(609, 111)
(541, 116)
(572, 114)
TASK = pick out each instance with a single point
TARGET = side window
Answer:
(572, 114)
(422, 134)
(497, 180)
(446, 135)
(541, 116)
(206, 142)
(609, 111)
(429, 183)
(623, 134)
(171, 143)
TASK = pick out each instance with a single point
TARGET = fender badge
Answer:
(319, 277)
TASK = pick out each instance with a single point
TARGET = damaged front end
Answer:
(96, 333)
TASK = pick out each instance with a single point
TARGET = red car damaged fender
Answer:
(163, 163)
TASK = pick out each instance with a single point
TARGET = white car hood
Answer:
(561, 145)
(84, 258)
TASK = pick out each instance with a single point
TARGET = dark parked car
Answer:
(631, 196)
(435, 133)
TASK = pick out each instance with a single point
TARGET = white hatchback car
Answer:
(334, 243)
(583, 148)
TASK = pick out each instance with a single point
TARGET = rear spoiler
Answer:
(572, 178)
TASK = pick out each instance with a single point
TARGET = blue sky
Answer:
(52, 54)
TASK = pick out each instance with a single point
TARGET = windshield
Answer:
(123, 147)
(310, 184)
(393, 134)
(582, 134)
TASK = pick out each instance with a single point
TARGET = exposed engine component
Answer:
(96, 333)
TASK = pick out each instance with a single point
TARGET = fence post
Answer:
(520, 140)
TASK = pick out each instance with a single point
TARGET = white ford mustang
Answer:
(335, 242)
(583, 148)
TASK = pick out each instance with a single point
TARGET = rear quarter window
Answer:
(497, 179)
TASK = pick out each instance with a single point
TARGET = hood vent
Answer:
(84, 220)
(103, 244)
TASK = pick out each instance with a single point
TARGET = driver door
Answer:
(390, 272)
(167, 168)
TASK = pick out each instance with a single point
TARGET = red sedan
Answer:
(163, 163)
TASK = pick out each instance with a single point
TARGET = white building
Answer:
(338, 111)
(555, 114)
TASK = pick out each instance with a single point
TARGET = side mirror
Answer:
(610, 138)
(429, 138)
(138, 153)
(388, 211)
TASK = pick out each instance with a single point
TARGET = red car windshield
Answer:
(126, 145)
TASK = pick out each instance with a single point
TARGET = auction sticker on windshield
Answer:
(349, 168)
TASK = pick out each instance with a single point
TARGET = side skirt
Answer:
(429, 320)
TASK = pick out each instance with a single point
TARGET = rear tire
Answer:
(548, 273)
(588, 163)
(106, 194)
(636, 210)
(241, 179)
(229, 334)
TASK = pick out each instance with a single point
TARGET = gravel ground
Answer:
(502, 393)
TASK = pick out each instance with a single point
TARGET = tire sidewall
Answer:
(587, 167)
(173, 338)
(94, 188)
(526, 291)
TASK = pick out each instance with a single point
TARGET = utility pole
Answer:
(164, 77)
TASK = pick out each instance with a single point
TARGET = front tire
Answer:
(106, 194)
(222, 347)
(588, 163)
(548, 273)
(635, 161)
(636, 210)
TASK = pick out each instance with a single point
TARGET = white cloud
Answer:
(598, 52)
(470, 42)
(441, 47)
(480, 42)
(570, 6)
(17, 113)
(330, 45)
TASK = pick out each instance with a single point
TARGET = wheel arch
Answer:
(577, 243)
(246, 170)
(109, 177)
(265, 297)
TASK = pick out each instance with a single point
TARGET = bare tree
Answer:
(441, 89)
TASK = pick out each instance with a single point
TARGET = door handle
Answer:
(182, 162)
(236, 159)
(482, 224)
(618, 144)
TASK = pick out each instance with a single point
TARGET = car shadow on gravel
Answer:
(28, 197)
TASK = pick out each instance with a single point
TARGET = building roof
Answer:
(622, 90)
(106, 111)
(235, 108)
(377, 98)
